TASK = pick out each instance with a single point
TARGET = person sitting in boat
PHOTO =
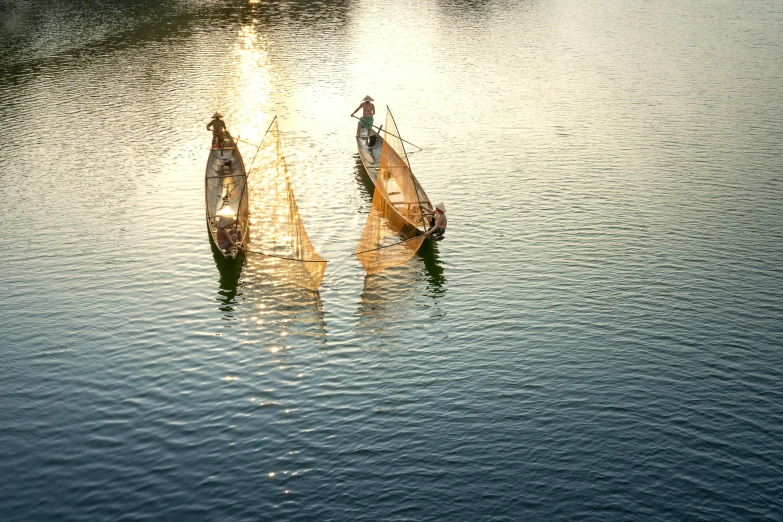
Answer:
(438, 222)
(368, 111)
(219, 131)
(227, 235)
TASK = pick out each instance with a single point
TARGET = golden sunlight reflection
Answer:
(251, 94)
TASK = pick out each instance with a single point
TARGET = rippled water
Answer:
(598, 338)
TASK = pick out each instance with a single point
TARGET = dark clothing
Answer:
(219, 132)
(438, 231)
(217, 126)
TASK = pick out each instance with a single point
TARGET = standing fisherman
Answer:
(219, 131)
(368, 111)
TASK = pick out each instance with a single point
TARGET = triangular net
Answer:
(276, 229)
(393, 231)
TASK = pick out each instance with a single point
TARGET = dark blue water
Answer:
(599, 337)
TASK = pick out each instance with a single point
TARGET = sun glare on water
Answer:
(252, 88)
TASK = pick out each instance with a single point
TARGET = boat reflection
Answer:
(230, 271)
(429, 254)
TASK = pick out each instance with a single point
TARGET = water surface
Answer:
(598, 338)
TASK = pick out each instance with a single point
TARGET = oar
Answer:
(379, 129)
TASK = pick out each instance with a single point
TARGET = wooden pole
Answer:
(379, 129)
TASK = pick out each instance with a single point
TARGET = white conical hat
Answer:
(217, 115)
(441, 207)
(367, 98)
(224, 221)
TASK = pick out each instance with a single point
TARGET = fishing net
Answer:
(276, 229)
(402, 188)
(392, 233)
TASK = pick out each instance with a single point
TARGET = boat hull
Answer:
(371, 160)
(226, 194)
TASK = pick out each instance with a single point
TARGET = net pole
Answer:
(289, 258)
(385, 246)
(408, 161)
(259, 145)
(379, 129)
(280, 160)
(239, 208)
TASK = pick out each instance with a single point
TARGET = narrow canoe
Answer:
(225, 194)
(370, 156)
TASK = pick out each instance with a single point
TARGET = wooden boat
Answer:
(402, 199)
(400, 212)
(370, 154)
(226, 194)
